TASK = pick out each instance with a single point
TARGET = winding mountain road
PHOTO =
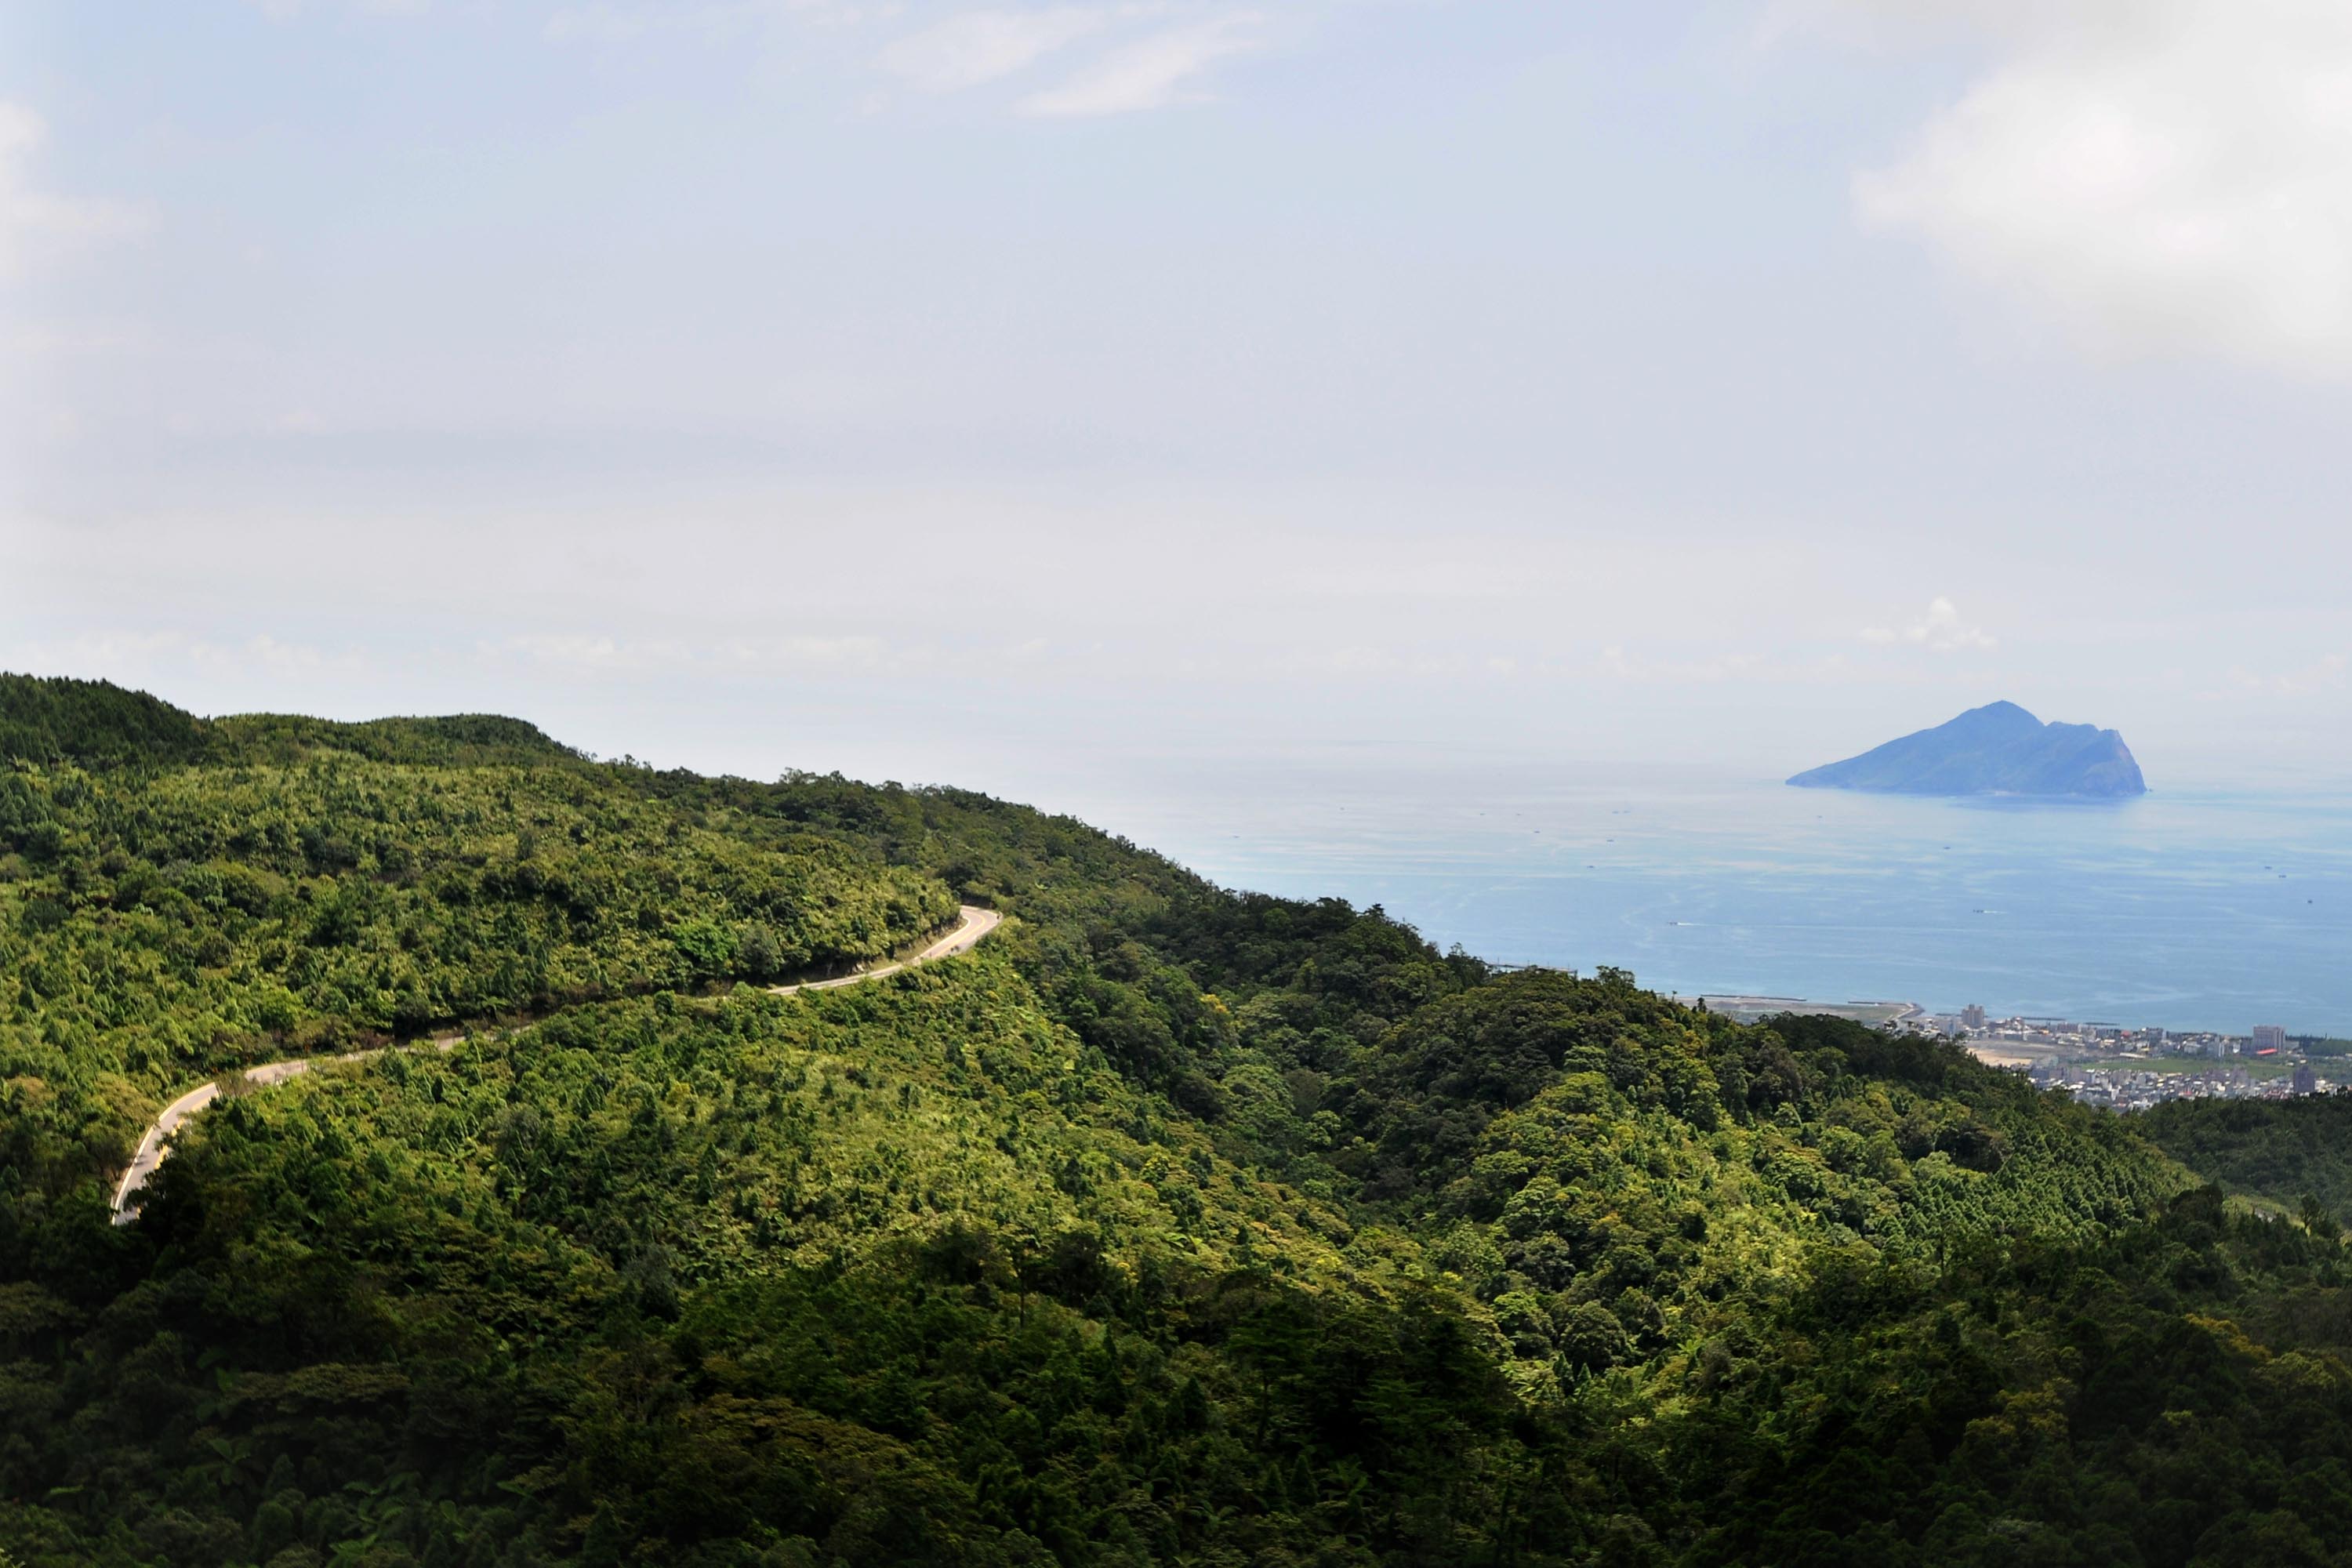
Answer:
(973, 923)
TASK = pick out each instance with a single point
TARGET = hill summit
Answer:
(1999, 749)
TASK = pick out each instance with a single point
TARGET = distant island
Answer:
(1999, 749)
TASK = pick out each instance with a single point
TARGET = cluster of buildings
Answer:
(2112, 1065)
(2129, 1068)
(2124, 1088)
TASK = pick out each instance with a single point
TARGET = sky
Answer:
(1049, 397)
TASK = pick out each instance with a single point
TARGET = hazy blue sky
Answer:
(1014, 394)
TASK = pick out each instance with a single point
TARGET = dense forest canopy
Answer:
(1173, 1225)
(2296, 1153)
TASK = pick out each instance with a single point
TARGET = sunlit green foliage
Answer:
(158, 923)
(1171, 1226)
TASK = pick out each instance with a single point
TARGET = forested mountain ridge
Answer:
(97, 724)
(1173, 1225)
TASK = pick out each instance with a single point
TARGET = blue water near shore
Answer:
(2190, 909)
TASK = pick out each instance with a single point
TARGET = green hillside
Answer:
(2293, 1151)
(1172, 1225)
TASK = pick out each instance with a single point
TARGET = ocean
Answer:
(2191, 909)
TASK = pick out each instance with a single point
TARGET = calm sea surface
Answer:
(2187, 908)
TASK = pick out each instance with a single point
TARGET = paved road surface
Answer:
(975, 923)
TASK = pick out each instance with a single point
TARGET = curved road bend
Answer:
(975, 923)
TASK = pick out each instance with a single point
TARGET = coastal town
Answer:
(2119, 1067)
(2130, 1069)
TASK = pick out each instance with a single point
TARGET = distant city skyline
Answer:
(1027, 395)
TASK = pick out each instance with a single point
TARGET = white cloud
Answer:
(579, 654)
(1616, 665)
(32, 219)
(291, 10)
(148, 658)
(2320, 675)
(51, 340)
(981, 46)
(1180, 40)
(2161, 175)
(1150, 73)
(608, 23)
(598, 23)
(1941, 630)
